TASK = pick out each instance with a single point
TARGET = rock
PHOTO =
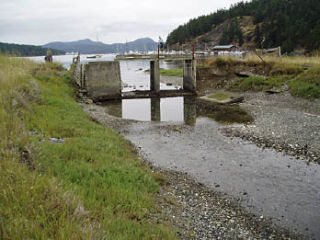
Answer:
(56, 140)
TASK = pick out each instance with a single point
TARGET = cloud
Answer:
(39, 22)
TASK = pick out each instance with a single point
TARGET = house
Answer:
(224, 48)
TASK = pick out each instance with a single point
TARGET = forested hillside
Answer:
(88, 46)
(290, 24)
(25, 50)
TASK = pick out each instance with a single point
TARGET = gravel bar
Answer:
(282, 122)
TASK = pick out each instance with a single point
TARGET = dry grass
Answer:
(252, 59)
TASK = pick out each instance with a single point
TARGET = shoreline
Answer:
(283, 123)
(190, 205)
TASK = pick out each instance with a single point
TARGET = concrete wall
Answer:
(103, 80)
(77, 74)
(155, 76)
(189, 75)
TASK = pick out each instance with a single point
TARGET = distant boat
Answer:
(95, 56)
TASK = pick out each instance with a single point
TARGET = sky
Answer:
(38, 22)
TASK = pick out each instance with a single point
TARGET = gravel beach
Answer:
(282, 122)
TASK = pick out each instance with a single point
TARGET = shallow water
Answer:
(174, 109)
(268, 183)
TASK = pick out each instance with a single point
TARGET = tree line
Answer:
(26, 50)
(287, 23)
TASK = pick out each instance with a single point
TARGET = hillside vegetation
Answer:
(63, 176)
(26, 50)
(290, 24)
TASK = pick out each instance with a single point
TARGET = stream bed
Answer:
(268, 183)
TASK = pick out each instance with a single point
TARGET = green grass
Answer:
(277, 71)
(42, 194)
(307, 84)
(256, 83)
(220, 96)
(174, 72)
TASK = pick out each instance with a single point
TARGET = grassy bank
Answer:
(300, 74)
(62, 175)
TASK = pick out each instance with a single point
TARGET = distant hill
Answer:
(291, 24)
(26, 50)
(88, 46)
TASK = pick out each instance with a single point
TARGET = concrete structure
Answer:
(155, 76)
(103, 80)
(77, 73)
(155, 110)
(189, 75)
(189, 110)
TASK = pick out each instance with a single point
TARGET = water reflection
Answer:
(176, 109)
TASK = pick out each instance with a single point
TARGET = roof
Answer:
(223, 46)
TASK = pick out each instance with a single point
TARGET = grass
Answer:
(91, 186)
(257, 83)
(300, 74)
(220, 96)
(173, 72)
(307, 84)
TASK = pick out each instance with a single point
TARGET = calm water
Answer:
(133, 73)
(174, 109)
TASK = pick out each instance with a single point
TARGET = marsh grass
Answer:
(174, 72)
(258, 83)
(92, 186)
(307, 84)
(301, 74)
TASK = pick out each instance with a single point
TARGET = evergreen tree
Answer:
(290, 24)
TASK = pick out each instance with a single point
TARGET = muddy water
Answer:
(267, 182)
